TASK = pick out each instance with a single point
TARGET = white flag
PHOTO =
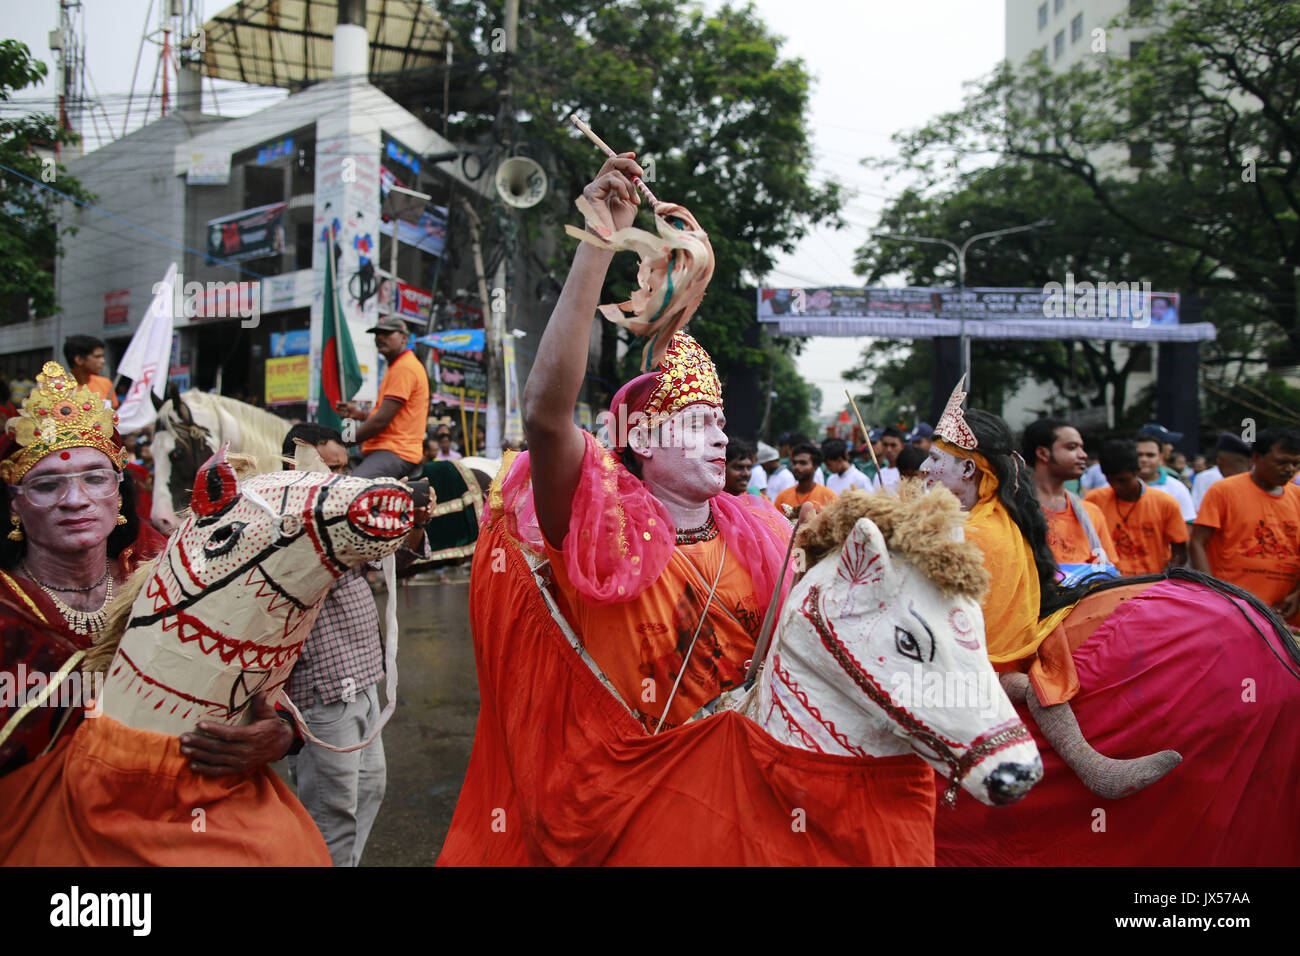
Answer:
(148, 358)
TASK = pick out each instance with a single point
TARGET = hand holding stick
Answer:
(636, 180)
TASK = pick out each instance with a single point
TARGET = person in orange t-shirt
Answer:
(804, 460)
(392, 438)
(1248, 529)
(85, 357)
(1053, 448)
(1146, 524)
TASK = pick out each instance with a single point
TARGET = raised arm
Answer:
(555, 443)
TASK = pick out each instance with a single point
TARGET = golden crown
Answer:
(58, 415)
(686, 376)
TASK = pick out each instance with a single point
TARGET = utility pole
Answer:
(495, 307)
(960, 253)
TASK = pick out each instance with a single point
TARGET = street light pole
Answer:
(960, 253)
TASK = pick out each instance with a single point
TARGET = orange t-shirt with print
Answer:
(1142, 530)
(1068, 540)
(1256, 540)
(103, 388)
(407, 382)
(640, 644)
(820, 495)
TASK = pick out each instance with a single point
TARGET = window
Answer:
(1042, 17)
(1139, 155)
(1058, 45)
(1058, 6)
(1044, 54)
(1076, 28)
(1139, 8)
(1135, 48)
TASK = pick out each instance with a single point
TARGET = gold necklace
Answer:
(85, 623)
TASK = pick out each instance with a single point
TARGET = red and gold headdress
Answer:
(686, 376)
(57, 415)
(952, 426)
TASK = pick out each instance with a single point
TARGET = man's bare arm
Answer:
(555, 444)
(1197, 547)
(1178, 557)
(379, 419)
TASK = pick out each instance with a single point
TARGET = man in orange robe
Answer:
(661, 582)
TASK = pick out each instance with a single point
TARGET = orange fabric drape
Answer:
(562, 774)
(115, 796)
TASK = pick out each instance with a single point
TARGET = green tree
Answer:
(706, 98)
(1177, 162)
(28, 235)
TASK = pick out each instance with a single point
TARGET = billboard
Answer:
(1102, 310)
(251, 234)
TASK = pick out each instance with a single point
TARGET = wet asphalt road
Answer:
(427, 742)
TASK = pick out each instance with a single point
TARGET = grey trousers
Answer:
(384, 464)
(342, 792)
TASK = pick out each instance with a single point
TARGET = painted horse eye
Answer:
(223, 539)
(906, 644)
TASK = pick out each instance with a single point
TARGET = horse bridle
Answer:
(959, 766)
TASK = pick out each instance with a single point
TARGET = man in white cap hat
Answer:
(766, 461)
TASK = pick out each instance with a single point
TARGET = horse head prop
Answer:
(881, 648)
(224, 610)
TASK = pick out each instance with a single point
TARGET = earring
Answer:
(121, 518)
(16, 533)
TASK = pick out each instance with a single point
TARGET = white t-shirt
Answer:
(1092, 478)
(757, 479)
(1178, 491)
(1201, 484)
(778, 481)
(851, 478)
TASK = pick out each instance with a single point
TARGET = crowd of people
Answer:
(1136, 507)
(648, 548)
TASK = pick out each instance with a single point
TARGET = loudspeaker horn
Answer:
(521, 182)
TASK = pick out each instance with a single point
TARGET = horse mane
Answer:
(261, 432)
(917, 524)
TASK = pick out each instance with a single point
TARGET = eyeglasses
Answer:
(49, 490)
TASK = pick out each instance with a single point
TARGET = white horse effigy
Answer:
(828, 760)
(881, 648)
(221, 614)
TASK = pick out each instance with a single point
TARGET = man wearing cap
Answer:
(392, 438)
(922, 438)
(1232, 457)
(1151, 443)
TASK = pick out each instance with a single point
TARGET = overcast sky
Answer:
(879, 67)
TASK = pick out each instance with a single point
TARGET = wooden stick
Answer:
(769, 619)
(636, 180)
(867, 435)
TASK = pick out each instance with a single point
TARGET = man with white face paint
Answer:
(665, 578)
(974, 457)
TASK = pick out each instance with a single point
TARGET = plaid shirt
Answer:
(344, 653)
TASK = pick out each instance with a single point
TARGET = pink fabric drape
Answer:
(615, 518)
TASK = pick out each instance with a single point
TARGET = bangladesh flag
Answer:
(340, 370)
